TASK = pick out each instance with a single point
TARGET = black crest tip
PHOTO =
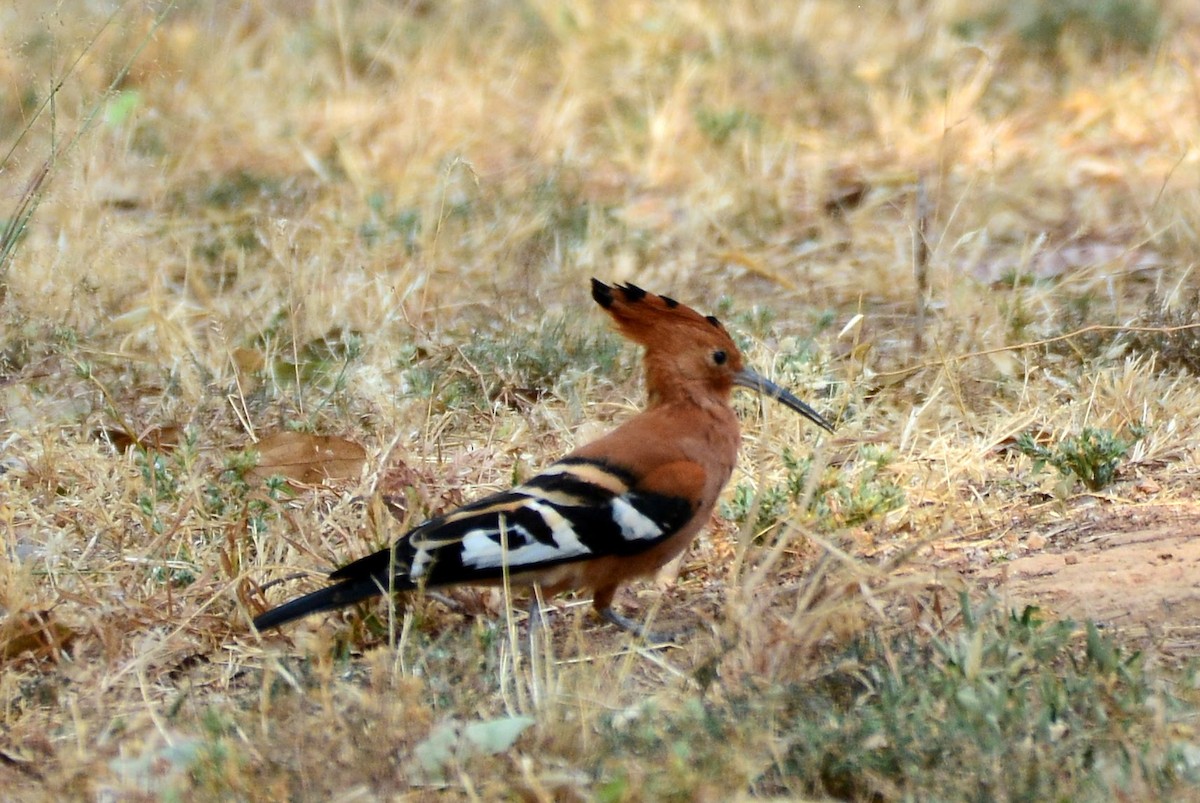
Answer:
(602, 293)
(631, 291)
(670, 302)
(713, 320)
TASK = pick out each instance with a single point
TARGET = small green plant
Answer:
(564, 210)
(1040, 25)
(772, 506)
(389, 224)
(847, 496)
(121, 107)
(162, 483)
(514, 366)
(688, 746)
(1170, 333)
(164, 477)
(1002, 707)
(240, 188)
(215, 767)
(1091, 456)
(322, 361)
(1018, 315)
(720, 124)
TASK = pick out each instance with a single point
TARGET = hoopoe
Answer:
(617, 508)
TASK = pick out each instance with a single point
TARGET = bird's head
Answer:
(686, 350)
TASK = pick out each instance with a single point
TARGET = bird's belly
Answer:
(553, 579)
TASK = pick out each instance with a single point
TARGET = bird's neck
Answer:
(684, 395)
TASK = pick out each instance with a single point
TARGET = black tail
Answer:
(337, 596)
(362, 579)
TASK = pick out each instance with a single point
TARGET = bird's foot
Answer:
(639, 630)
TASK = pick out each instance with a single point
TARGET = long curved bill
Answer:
(748, 378)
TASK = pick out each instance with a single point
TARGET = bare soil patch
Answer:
(1130, 567)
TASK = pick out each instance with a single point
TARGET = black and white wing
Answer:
(576, 510)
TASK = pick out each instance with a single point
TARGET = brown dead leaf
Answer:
(35, 632)
(155, 439)
(650, 213)
(410, 495)
(848, 188)
(400, 486)
(308, 458)
(999, 268)
(1148, 487)
(756, 266)
(248, 360)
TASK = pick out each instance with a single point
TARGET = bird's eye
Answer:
(719, 357)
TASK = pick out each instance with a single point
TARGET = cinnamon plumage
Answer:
(612, 510)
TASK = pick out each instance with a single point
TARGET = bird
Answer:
(614, 509)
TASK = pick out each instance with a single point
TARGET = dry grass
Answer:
(377, 220)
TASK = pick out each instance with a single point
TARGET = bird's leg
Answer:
(449, 602)
(536, 619)
(535, 613)
(602, 602)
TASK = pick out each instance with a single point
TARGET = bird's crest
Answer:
(651, 320)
